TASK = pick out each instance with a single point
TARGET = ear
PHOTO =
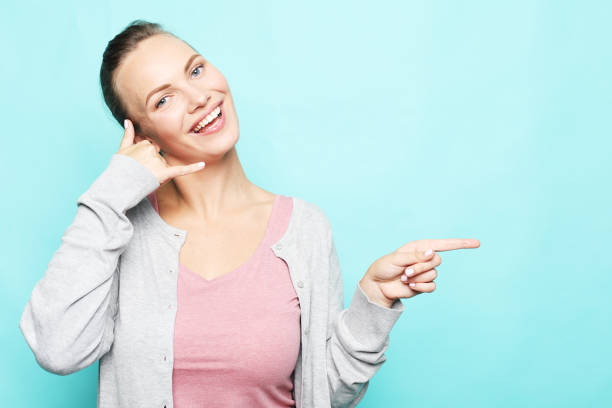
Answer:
(139, 137)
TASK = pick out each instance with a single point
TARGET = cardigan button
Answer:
(300, 284)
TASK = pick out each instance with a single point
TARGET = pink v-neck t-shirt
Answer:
(237, 337)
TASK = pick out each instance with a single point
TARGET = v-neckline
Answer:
(259, 248)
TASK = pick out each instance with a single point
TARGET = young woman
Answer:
(193, 286)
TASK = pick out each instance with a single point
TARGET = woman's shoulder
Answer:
(310, 214)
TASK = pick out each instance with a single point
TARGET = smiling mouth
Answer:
(209, 121)
(212, 123)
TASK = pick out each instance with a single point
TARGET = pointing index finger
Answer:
(449, 244)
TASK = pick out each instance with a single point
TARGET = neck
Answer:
(218, 189)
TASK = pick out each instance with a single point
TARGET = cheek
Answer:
(218, 81)
(172, 117)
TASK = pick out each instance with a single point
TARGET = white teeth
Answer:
(208, 118)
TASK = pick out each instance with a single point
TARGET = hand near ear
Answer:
(147, 154)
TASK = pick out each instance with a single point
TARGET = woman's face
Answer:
(168, 115)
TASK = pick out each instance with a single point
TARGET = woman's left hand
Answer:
(388, 279)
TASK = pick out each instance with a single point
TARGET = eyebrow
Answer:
(164, 86)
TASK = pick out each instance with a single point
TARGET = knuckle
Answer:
(415, 253)
(395, 256)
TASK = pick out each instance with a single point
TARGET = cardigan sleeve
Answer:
(69, 320)
(357, 338)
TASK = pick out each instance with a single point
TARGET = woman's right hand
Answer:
(147, 154)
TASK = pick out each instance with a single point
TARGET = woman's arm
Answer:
(69, 319)
(357, 338)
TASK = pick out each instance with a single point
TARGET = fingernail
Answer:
(428, 252)
(409, 272)
(201, 164)
(403, 278)
(412, 284)
(124, 122)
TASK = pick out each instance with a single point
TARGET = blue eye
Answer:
(199, 66)
(157, 104)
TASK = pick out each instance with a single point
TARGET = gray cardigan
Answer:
(109, 294)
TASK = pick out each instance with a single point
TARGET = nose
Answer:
(197, 99)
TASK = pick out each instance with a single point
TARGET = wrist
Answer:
(374, 294)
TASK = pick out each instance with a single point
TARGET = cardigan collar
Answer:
(281, 246)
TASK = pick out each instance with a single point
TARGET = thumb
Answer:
(128, 134)
(426, 254)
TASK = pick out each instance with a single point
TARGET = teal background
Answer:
(402, 121)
